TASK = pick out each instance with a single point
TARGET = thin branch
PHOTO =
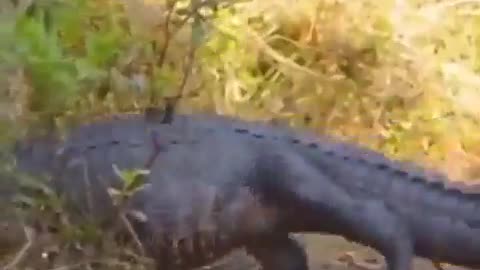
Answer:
(134, 235)
(187, 68)
(166, 35)
(21, 254)
(172, 101)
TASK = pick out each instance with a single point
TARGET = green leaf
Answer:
(103, 47)
(133, 179)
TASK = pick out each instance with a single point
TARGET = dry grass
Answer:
(397, 76)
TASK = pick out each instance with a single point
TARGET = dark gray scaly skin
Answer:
(219, 184)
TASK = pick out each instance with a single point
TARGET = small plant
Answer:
(133, 181)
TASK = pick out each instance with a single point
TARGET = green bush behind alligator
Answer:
(405, 87)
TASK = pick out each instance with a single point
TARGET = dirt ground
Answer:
(325, 252)
(335, 253)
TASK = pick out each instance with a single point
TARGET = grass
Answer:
(398, 76)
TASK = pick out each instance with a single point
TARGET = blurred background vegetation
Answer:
(397, 76)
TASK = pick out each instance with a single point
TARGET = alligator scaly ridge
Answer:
(218, 184)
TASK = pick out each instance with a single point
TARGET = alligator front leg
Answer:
(382, 228)
(279, 253)
(317, 205)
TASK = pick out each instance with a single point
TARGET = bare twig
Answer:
(169, 34)
(187, 69)
(172, 101)
(166, 35)
(30, 235)
(134, 235)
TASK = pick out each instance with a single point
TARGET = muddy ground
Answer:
(324, 253)
(335, 253)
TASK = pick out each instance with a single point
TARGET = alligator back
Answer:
(443, 217)
(81, 170)
(440, 216)
(82, 167)
(130, 141)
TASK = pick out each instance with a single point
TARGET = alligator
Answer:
(218, 184)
